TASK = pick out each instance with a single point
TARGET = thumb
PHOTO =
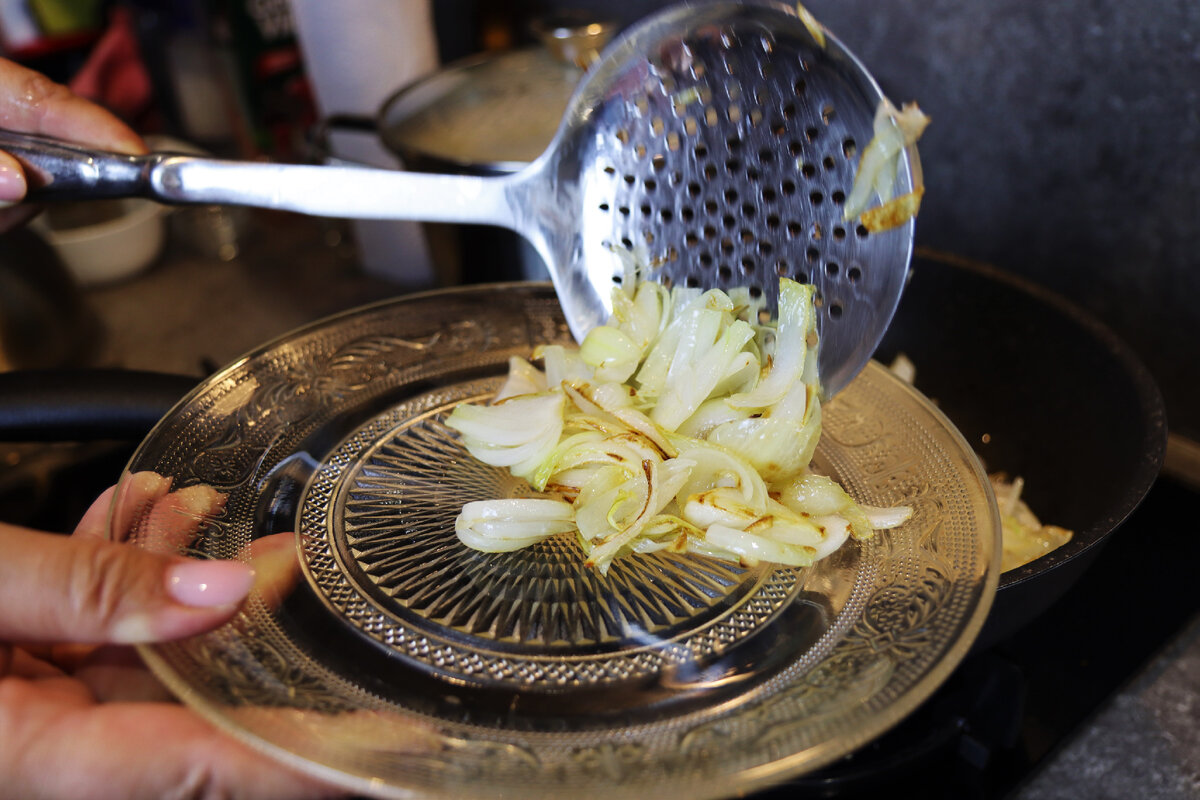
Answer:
(84, 590)
(36, 104)
(12, 179)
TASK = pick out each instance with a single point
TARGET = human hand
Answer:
(32, 103)
(81, 721)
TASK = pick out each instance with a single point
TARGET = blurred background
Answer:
(1064, 150)
(1065, 144)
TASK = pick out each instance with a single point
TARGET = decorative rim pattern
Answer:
(880, 624)
(410, 517)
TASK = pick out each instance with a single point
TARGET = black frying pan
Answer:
(1062, 401)
(1041, 390)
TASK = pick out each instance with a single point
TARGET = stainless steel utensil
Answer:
(715, 142)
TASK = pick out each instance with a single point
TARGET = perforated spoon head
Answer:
(716, 144)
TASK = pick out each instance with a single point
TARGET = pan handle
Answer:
(84, 405)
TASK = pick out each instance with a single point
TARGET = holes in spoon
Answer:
(747, 196)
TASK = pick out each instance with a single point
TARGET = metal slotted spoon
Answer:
(715, 142)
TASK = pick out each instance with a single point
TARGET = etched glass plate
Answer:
(380, 653)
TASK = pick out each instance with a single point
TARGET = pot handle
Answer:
(319, 136)
(83, 405)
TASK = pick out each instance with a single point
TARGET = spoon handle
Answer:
(56, 170)
(59, 171)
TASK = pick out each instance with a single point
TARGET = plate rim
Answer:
(749, 779)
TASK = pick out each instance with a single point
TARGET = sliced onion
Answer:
(562, 365)
(894, 130)
(709, 415)
(722, 417)
(611, 353)
(752, 548)
(813, 494)
(836, 530)
(776, 448)
(715, 467)
(722, 505)
(696, 371)
(797, 321)
(513, 422)
(523, 378)
(496, 526)
(882, 519)
(894, 212)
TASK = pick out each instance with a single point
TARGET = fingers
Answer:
(12, 179)
(83, 590)
(12, 189)
(62, 746)
(94, 522)
(165, 521)
(276, 565)
(32, 103)
(115, 674)
(130, 501)
(88, 590)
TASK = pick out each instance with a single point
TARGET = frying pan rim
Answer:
(1151, 410)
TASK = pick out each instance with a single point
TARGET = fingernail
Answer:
(148, 483)
(12, 183)
(200, 500)
(208, 584)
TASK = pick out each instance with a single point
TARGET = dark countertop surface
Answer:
(1144, 742)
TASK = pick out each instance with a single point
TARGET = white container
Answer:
(113, 249)
(356, 54)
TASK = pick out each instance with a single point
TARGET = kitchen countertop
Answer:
(1144, 743)
(191, 313)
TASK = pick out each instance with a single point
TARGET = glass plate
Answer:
(383, 655)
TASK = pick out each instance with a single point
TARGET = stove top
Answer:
(1006, 711)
